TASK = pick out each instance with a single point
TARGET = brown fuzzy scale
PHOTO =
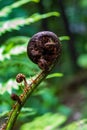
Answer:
(15, 97)
(43, 48)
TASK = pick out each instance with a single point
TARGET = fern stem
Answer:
(45, 62)
(17, 107)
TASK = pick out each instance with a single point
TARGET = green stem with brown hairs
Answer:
(54, 47)
(17, 107)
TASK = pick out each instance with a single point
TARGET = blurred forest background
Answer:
(57, 101)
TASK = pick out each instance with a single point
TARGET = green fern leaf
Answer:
(8, 9)
(15, 24)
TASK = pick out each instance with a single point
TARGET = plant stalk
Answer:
(24, 96)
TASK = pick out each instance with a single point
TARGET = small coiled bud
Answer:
(43, 48)
(20, 77)
(15, 97)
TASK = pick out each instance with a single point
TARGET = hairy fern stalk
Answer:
(46, 59)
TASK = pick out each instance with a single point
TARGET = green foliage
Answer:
(8, 9)
(46, 121)
(83, 3)
(16, 23)
(8, 86)
(82, 61)
(78, 125)
(54, 75)
(27, 112)
(65, 110)
(14, 44)
(63, 38)
(53, 122)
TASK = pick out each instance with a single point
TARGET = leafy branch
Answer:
(16, 23)
(8, 9)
